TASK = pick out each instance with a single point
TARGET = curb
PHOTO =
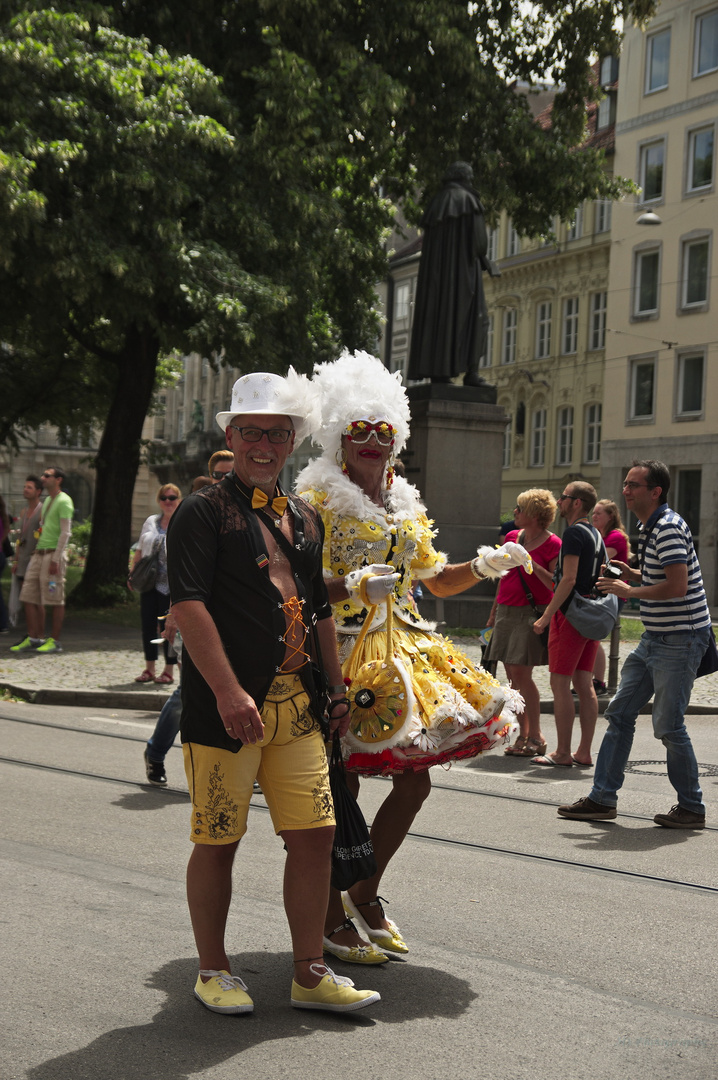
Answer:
(95, 699)
(146, 702)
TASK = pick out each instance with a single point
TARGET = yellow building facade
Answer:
(661, 384)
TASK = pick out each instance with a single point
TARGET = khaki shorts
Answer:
(290, 764)
(37, 576)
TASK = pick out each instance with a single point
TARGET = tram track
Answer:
(449, 842)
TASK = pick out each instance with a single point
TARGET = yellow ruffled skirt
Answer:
(453, 708)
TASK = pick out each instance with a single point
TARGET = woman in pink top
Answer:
(513, 642)
(607, 519)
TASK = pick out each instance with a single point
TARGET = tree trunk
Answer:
(105, 579)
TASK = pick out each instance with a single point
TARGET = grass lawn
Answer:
(631, 630)
(121, 615)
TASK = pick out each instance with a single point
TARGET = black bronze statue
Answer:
(450, 317)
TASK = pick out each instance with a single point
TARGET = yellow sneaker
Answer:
(333, 994)
(390, 940)
(223, 993)
(364, 953)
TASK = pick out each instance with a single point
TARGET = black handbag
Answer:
(709, 660)
(353, 853)
(143, 576)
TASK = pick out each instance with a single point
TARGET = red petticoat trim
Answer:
(399, 760)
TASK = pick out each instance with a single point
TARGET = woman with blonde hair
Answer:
(606, 518)
(520, 600)
(155, 602)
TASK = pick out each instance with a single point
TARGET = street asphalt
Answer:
(541, 948)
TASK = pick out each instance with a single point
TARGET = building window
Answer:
(602, 215)
(508, 343)
(538, 437)
(646, 282)
(643, 390)
(694, 277)
(543, 330)
(651, 171)
(706, 43)
(606, 111)
(598, 320)
(564, 436)
(689, 385)
(569, 339)
(658, 52)
(508, 431)
(401, 301)
(180, 423)
(575, 225)
(486, 358)
(700, 159)
(688, 500)
(513, 241)
(592, 449)
(492, 249)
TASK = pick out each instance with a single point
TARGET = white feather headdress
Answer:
(357, 386)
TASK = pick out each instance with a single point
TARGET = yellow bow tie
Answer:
(259, 499)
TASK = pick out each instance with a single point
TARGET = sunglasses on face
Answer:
(168, 498)
(360, 431)
(219, 474)
(251, 434)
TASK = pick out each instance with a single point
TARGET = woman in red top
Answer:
(607, 519)
(513, 642)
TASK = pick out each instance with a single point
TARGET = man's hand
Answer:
(240, 717)
(540, 625)
(171, 628)
(54, 569)
(619, 588)
(339, 714)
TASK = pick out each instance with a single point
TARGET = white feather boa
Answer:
(346, 499)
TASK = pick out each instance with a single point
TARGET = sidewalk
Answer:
(97, 668)
(100, 663)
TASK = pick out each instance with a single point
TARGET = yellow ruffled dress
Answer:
(451, 709)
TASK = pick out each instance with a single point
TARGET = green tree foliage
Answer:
(221, 175)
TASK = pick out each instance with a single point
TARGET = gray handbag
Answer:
(593, 617)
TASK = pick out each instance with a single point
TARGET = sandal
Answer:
(164, 678)
(532, 748)
(146, 676)
(518, 749)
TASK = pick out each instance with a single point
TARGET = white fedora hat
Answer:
(264, 394)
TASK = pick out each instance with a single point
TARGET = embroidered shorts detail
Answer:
(290, 764)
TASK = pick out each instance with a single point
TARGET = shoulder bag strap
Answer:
(529, 595)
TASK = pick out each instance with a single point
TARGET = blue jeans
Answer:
(166, 728)
(664, 664)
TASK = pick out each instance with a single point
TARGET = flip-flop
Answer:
(582, 764)
(546, 759)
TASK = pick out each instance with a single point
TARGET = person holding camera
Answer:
(677, 622)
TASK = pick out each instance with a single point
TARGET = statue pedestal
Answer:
(454, 457)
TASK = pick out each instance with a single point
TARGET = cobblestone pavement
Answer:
(101, 657)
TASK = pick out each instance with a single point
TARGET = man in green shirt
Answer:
(44, 584)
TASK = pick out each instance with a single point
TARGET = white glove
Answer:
(496, 562)
(371, 584)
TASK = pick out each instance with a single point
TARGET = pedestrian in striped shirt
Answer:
(674, 612)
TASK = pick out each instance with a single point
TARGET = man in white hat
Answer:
(245, 572)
